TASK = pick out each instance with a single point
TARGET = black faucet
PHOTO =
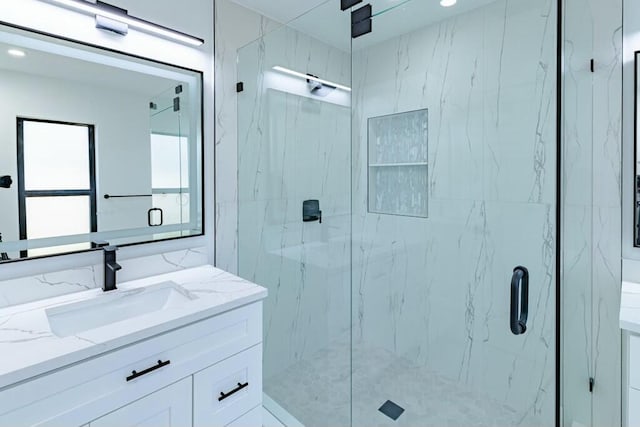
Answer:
(110, 268)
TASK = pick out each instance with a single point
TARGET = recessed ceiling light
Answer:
(447, 3)
(16, 53)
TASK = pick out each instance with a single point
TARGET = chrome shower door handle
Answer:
(519, 300)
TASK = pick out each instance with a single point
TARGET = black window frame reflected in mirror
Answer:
(24, 194)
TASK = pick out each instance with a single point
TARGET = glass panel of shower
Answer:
(294, 172)
(170, 160)
(454, 190)
(400, 206)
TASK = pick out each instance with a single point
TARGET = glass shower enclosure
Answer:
(397, 196)
(171, 154)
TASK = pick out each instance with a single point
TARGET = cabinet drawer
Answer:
(251, 419)
(634, 408)
(228, 389)
(634, 361)
(87, 390)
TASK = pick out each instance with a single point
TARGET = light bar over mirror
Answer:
(109, 12)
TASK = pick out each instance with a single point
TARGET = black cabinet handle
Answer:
(223, 395)
(519, 300)
(136, 374)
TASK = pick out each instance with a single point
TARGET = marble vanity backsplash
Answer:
(41, 286)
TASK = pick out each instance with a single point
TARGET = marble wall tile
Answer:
(607, 202)
(577, 222)
(235, 26)
(592, 212)
(27, 289)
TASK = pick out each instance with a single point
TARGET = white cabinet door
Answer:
(168, 407)
(634, 408)
(227, 390)
(634, 361)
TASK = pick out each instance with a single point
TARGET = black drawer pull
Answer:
(234, 391)
(136, 374)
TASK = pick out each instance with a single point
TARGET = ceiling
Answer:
(328, 23)
(73, 70)
(281, 10)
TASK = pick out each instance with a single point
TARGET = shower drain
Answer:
(391, 410)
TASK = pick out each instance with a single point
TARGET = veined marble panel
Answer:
(42, 286)
(235, 26)
(592, 211)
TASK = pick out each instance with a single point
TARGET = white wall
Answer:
(190, 16)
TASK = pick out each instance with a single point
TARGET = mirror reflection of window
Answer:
(57, 190)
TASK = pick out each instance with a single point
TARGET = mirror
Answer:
(636, 214)
(96, 147)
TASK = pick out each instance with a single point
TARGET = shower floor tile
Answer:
(317, 392)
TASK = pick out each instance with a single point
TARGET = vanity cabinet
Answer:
(633, 404)
(205, 374)
(634, 408)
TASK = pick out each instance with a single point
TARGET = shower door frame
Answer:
(559, 146)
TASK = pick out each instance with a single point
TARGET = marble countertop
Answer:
(29, 347)
(630, 307)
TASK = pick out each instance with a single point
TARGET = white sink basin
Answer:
(115, 306)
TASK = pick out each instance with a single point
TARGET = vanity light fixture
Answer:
(309, 77)
(17, 53)
(116, 19)
(447, 3)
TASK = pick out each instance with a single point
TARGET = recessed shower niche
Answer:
(398, 164)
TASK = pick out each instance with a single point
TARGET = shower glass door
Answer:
(453, 188)
(294, 200)
(169, 125)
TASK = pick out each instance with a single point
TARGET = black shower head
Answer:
(5, 181)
